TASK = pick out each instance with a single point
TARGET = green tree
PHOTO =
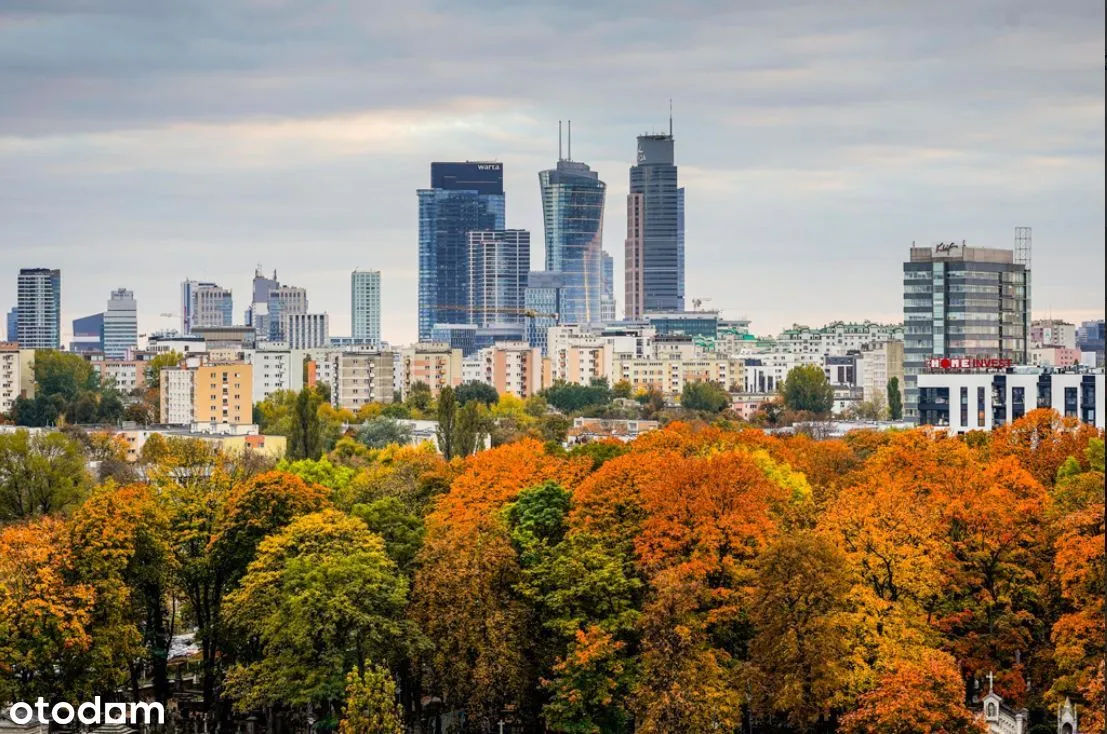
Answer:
(895, 400)
(371, 706)
(160, 362)
(471, 429)
(474, 390)
(305, 439)
(806, 388)
(376, 433)
(621, 389)
(706, 396)
(447, 422)
(401, 531)
(419, 397)
(569, 397)
(40, 474)
(322, 598)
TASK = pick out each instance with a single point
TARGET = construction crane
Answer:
(697, 302)
(529, 313)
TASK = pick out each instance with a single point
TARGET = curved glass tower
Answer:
(572, 212)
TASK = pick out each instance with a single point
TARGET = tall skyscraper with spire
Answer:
(572, 213)
(654, 264)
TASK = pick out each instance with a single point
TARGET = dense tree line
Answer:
(700, 578)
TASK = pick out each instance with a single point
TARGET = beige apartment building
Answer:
(208, 394)
(17, 376)
(670, 375)
(433, 363)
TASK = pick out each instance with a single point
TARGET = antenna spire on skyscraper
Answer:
(670, 117)
(570, 140)
(559, 156)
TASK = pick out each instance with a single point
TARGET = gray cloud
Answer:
(142, 142)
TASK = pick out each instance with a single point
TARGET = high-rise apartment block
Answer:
(39, 304)
(655, 231)
(499, 261)
(120, 324)
(607, 298)
(463, 197)
(13, 324)
(212, 394)
(362, 378)
(365, 306)
(205, 304)
(275, 369)
(572, 214)
(961, 301)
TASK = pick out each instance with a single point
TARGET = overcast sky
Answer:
(143, 141)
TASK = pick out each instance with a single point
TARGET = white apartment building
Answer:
(16, 374)
(834, 339)
(275, 370)
(177, 395)
(766, 373)
(980, 401)
(305, 330)
(877, 365)
(365, 305)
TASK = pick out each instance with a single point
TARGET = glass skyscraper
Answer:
(463, 197)
(120, 324)
(655, 231)
(572, 210)
(499, 261)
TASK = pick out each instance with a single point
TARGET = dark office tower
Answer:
(572, 212)
(499, 261)
(655, 231)
(463, 197)
(39, 293)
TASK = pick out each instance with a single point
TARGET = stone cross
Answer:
(989, 682)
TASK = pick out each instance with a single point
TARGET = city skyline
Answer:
(812, 158)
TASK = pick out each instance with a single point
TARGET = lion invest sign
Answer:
(944, 364)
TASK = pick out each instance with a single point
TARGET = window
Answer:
(980, 401)
(1070, 402)
(964, 406)
(1018, 402)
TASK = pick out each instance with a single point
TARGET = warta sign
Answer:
(967, 363)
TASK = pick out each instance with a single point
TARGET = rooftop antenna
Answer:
(570, 140)
(559, 157)
(670, 117)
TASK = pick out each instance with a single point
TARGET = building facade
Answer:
(125, 375)
(434, 363)
(16, 374)
(305, 330)
(463, 197)
(275, 370)
(365, 306)
(362, 378)
(607, 298)
(968, 399)
(39, 304)
(88, 334)
(655, 231)
(499, 262)
(205, 304)
(13, 324)
(120, 324)
(1052, 333)
(543, 297)
(572, 216)
(961, 301)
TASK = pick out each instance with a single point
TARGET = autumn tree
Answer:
(917, 696)
(39, 474)
(1042, 441)
(45, 617)
(118, 540)
(802, 646)
(370, 706)
(322, 597)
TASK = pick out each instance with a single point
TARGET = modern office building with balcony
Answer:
(499, 262)
(961, 301)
